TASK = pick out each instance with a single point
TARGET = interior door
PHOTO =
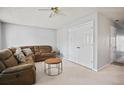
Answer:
(86, 49)
(81, 44)
(72, 45)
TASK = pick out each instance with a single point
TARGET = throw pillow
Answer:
(27, 51)
(18, 49)
(2, 66)
(19, 55)
(11, 61)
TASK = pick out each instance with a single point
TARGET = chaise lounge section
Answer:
(13, 72)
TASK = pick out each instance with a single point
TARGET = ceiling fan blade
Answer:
(50, 15)
(43, 9)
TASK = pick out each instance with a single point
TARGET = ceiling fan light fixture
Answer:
(55, 9)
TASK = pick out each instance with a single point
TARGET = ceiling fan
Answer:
(53, 11)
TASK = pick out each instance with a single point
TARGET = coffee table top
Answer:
(53, 60)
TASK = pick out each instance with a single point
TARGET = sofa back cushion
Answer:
(13, 49)
(2, 66)
(5, 53)
(45, 49)
(36, 49)
(7, 58)
(11, 61)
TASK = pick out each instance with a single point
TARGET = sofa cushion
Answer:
(5, 53)
(47, 54)
(7, 58)
(27, 51)
(36, 49)
(18, 68)
(19, 55)
(2, 66)
(13, 49)
(29, 59)
(45, 49)
(37, 56)
(11, 61)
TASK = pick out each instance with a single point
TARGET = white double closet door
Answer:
(81, 44)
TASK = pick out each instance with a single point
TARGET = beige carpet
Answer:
(74, 74)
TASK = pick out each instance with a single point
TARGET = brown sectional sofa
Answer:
(40, 52)
(13, 72)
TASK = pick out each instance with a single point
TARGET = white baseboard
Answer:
(103, 66)
(96, 70)
(77, 63)
(92, 68)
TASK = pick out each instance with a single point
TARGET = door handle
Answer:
(78, 47)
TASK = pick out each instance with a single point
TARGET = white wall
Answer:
(62, 42)
(0, 36)
(119, 43)
(19, 35)
(120, 40)
(103, 41)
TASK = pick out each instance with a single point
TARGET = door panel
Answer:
(72, 45)
(81, 44)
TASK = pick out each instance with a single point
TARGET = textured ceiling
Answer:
(33, 17)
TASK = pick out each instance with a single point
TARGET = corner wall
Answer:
(102, 37)
(62, 42)
(119, 43)
(0, 36)
(20, 35)
(103, 41)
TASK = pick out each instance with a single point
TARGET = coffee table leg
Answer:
(61, 67)
(49, 69)
(58, 68)
(44, 67)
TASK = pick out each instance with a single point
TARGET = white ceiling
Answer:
(31, 16)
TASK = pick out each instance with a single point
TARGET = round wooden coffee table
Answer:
(53, 63)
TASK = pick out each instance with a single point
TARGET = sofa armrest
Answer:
(56, 53)
(17, 68)
(53, 51)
